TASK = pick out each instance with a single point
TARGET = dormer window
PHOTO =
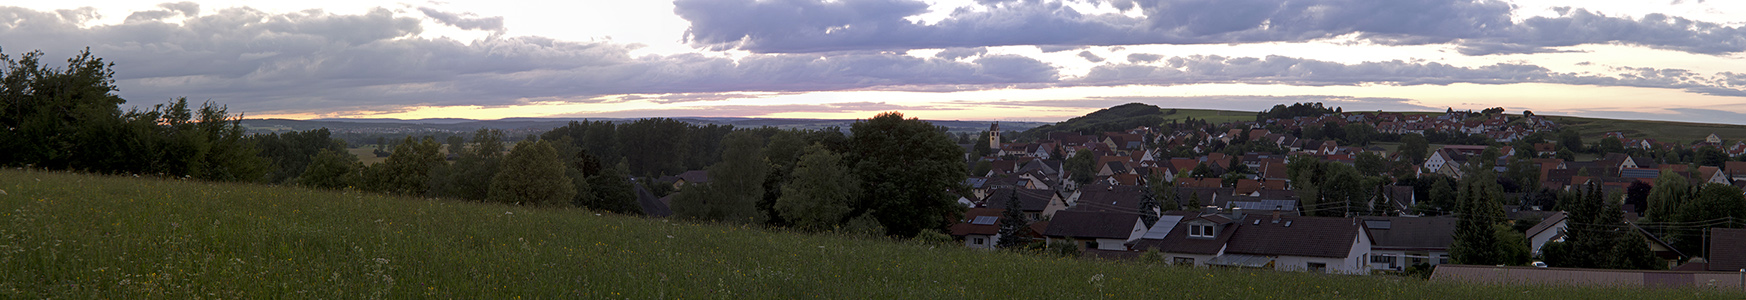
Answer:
(1201, 230)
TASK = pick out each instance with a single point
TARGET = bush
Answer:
(1064, 248)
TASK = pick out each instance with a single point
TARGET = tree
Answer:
(1149, 207)
(1612, 145)
(330, 170)
(1637, 195)
(1013, 224)
(1713, 202)
(1165, 191)
(1571, 139)
(1598, 237)
(908, 169)
(613, 190)
(736, 184)
(1370, 163)
(1476, 234)
(1669, 194)
(530, 177)
(1081, 166)
(981, 148)
(1360, 134)
(1414, 147)
(476, 167)
(821, 193)
(407, 171)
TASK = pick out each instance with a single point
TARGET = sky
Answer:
(1012, 60)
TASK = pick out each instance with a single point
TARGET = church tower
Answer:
(994, 137)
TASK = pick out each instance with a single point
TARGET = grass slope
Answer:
(79, 236)
(1681, 132)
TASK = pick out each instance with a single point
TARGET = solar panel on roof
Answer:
(985, 220)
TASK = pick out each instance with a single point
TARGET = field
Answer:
(1214, 116)
(67, 235)
(1683, 133)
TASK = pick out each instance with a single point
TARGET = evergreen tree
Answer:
(1477, 241)
(1013, 224)
(1149, 206)
(530, 177)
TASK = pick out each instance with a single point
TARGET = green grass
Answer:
(67, 235)
(1213, 116)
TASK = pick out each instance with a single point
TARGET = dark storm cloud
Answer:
(1479, 27)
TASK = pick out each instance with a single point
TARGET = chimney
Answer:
(1276, 209)
(1236, 213)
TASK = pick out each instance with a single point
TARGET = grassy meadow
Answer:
(65, 235)
(1683, 133)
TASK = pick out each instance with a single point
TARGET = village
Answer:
(1170, 191)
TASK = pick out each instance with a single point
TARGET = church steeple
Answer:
(994, 137)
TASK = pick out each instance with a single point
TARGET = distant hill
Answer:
(543, 124)
(1131, 115)
(1128, 116)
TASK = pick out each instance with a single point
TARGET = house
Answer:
(690, 177)
(980, 228)
(1726, 246)
(1549, 230)
(651, 205)
(1036, 204)
(1402, 242)
(1109, 197)
(1293, 243)
(1096, 229)
(1400, 198)
(1287, 243)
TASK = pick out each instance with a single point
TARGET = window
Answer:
(1382, 259)
(977, 241)
(1091, 245)
(1200, 230)
(1318, 267)
(1183, 261)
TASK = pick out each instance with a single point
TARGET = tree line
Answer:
(892, 176)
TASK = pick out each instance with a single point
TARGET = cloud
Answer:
(1478, 27)
(313, 61)
(318, 62)
(467, 21)
(753, 110)
(1219, 102)
(1143, 57)
(1088, 56)
(956, 53)
(1201, 69)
